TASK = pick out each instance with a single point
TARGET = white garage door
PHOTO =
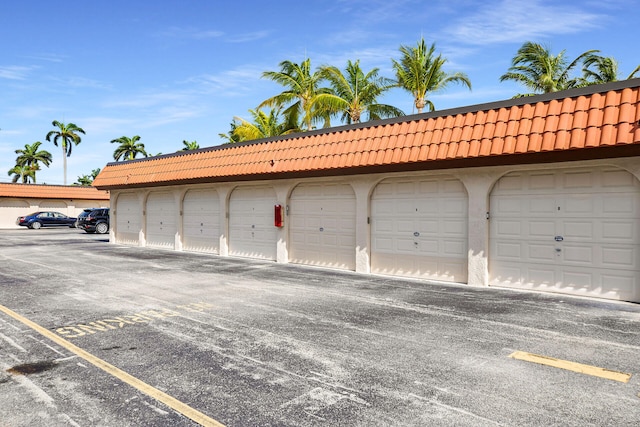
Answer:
(322, 229)
(161, 220)
(419, 228)
(201, 221)
(251, 230)
(572, 231)
(11, 209)
(128, 223)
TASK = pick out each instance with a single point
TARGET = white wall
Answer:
(477, 181)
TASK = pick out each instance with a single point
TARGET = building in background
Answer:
(22, 199)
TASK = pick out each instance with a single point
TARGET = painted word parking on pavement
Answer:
(118, 322)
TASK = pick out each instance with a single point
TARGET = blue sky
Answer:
(181, 70)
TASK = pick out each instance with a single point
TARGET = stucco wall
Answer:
(478, 183)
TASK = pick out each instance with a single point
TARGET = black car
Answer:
(95, 221)
(45, 219)
(82, 214)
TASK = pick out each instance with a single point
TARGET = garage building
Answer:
(538, 193)
(22, 199)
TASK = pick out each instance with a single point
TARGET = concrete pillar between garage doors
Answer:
(179, 197)
(224, 192)
(142, 209)
(362, 189)
(478, 187)
(282, 252)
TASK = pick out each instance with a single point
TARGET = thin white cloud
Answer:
(517, 21)
(375, 57)
(238, 80)
(81, 82)
(191, 33)
(49, 57)
(375, 11)
(146, 100)
(249, 37)
(170, 115)
(116, 125)
(350, 36)
(15, 72)
(32, 112)
(10, 132)
(98, 125)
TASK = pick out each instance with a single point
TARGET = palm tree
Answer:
(29, 155)
(538, 69)
(230, 137)
(87, 180)
(84, 180)
(190, 145)
(420, 72)
(67, 135)
(24, 173)
(263, 126)
(303, 87)
(129, 148)
(605, 70)
(354, 93)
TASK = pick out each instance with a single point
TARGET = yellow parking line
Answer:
(571, 366)
(150, 391)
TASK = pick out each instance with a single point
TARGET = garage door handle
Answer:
(559, 238)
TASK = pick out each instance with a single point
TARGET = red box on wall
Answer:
(278, 217)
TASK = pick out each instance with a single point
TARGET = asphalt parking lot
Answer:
(96, 334)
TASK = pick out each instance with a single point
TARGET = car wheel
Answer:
(102, 228)
(36, 225)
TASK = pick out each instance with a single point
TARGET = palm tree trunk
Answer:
(64, 160)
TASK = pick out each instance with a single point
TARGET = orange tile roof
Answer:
(580, 119)
(38, 191)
